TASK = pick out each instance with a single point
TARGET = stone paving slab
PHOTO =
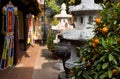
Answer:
(44, 64)
(35, 63)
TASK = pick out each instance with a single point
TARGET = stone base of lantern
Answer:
(62, 75)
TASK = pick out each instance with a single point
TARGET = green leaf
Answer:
(109, 73)
(102, 58)
(110, 57)
(109, 34)
(117, 49)
(118, 28)
(118, 68)
(105, 65)
(111, 41)
(96, 76)
(90, 77)
(79, 72)
(102, 76)
(106, 50)
(103, 43)
(115, 61)
(115, 22)
(98, 67)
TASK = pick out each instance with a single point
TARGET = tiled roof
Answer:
(85, 6)
(77, 34)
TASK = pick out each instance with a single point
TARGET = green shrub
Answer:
(55, 21)
(50, 38)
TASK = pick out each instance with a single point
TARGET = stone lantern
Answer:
(85, 13)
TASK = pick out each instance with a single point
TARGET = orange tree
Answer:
(100, 58)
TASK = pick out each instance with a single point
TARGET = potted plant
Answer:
(50, 44)
(50, 38)
(101, 56)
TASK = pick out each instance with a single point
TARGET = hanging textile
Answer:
(8, 49)
(38, 30)
(30, 39)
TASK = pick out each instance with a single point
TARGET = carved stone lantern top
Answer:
(86, 5)
(63, 13)
(63, 6)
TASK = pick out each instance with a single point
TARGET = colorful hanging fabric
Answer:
(8, 49)
(30, 39)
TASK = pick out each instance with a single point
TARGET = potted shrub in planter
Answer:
(50, 44)
(50, 38)
(101, 56)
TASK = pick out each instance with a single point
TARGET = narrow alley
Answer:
(36, 63)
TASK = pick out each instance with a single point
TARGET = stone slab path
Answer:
(35, 63)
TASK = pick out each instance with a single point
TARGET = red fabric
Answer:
(9, 21)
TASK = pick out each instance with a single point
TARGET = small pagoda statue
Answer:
(63, 19)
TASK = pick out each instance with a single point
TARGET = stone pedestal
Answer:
(59, 66)
(62, 75)
(63, 52)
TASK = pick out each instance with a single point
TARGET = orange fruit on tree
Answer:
(93, 40)
(104, 29)
(115, 72)
(98, 20)
(93, 44)
(96, 40)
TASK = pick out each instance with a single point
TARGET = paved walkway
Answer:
(36, 63)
